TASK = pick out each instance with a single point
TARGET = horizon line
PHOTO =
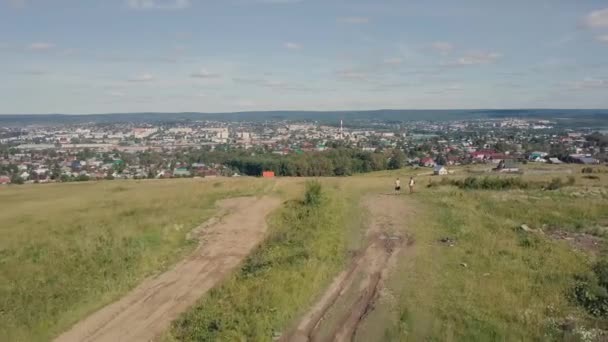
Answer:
(310, 111)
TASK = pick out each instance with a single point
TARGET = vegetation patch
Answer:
(305, 249)
(68, 249)
(591, 289)
(502, 183)
(498, 281)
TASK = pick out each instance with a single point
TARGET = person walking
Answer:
(411, 185)
(397, 186)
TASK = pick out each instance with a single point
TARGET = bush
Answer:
(313, 195)
(591, 290)
(555, 184)
(498, 183)
(491, 183)
(571, 181)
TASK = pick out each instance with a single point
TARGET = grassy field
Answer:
(496, 282)
(308, 244)
(67, 249)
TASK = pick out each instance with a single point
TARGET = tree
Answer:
(16, 179)
(397, 160)
(441, 160)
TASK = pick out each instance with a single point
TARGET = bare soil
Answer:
(579, 241)
(147, 311)
(338, 313)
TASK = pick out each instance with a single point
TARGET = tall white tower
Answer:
(341, 130)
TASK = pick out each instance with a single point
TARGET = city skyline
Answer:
(244, 55)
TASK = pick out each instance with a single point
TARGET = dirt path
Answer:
(147, 311)
(337, 314)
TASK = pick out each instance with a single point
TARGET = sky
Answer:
(110, 56)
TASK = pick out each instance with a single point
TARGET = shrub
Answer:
(571, 181)
(491, 183)
(594, 177)
(591, 290)
(555, 184)
(313, 195)
(498, 183)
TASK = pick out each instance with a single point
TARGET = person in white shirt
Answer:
(411, 184)
(397, 186)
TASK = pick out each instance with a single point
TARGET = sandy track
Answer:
(337, 314)
(147, 311)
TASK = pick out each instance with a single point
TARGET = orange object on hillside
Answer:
(268, 174)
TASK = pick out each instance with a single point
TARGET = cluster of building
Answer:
(109, 151)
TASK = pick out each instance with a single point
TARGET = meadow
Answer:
(68, 249)
(473, 273)
(307, 245)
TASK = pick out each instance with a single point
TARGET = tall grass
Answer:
(305, 248)
(67, 249)
(496, 283)
(502, 183)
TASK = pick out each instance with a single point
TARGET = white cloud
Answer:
(273, 84)
(442, 47)
(158, 4)
(589, 83)
(603, 39)
(476, 58)
(351, 75)
(393, 61)
(245, 104)
(353, 20)
(35, 72)
(116, 94)
(597, 18)
(40, 46)
(454, 87)
(204, 73)
(69, 52)
(145, 77)
(292, 46)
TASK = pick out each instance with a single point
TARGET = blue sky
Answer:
(73, 56)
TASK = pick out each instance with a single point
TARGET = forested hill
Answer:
(584, 116)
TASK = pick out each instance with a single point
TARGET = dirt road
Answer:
(147, 311)
(337, 314)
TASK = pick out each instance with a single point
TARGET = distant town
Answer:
(94, 151)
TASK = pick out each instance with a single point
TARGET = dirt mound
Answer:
(353, 292)
(147, 311)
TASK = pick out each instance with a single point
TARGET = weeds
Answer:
(591, 289)
(502, 183)
(67, 249)
(313, 195)
(306, 247)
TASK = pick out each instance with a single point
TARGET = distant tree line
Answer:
(333, 162)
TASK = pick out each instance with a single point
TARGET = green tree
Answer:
(397, 160)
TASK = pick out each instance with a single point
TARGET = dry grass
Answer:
(67, 249)
(514, 285)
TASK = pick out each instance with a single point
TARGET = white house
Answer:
(440, 170)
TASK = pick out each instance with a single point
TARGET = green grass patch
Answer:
(68, 249)
(306, 247)
(497, 282)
